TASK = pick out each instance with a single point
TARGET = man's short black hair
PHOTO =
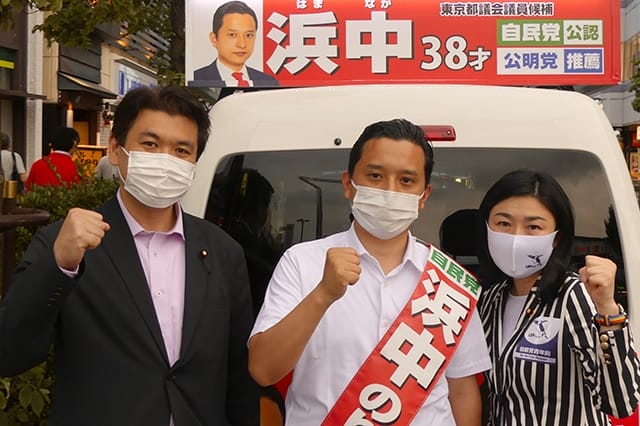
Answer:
(397, 129)
(231, 7)
(65, 139)
(173, 100)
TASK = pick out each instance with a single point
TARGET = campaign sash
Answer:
(404, 367)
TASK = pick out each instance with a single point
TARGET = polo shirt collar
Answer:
(411, 254)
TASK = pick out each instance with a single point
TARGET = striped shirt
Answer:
(552, 370)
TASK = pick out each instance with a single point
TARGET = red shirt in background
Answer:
(42, 171)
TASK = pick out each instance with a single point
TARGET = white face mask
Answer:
(520, 256)
(157, 180)
(384, 214)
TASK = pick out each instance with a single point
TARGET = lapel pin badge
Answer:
(203, 253)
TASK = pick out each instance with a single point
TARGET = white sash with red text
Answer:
(404, 367)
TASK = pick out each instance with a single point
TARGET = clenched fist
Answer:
(598, 274)
(81, 230)
(341, 269)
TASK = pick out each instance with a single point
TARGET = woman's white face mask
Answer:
(520, 256)
(384, 214)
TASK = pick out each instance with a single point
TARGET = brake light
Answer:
(438, 132)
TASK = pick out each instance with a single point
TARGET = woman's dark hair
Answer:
(173, 100)
(397, 129)
(547, 191)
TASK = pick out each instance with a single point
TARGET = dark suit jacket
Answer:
(110, 362)
(209, 76)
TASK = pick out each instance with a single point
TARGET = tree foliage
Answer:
(72, 23)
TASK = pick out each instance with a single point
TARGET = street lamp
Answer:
(302, 222)
(310, 181)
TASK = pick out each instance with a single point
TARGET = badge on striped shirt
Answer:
(540, 341)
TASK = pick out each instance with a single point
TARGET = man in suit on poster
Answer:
(148, 307)
(233, 35)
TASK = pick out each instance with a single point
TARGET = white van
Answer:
(293, 144)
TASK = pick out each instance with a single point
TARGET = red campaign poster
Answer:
(335, 42)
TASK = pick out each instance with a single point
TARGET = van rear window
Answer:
(271, 200)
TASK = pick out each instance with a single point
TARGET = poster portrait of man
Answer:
(233, 36)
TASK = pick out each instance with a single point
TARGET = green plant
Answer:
(89, 193)
(25, 398)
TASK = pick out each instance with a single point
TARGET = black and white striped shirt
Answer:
(552, 370)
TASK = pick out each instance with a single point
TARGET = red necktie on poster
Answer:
(241, 81)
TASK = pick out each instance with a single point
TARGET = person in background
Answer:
(12, 164)
(561, 347)
(148, 308)
(106, 170)
(331, 301)
(250, 227)
(57, 168)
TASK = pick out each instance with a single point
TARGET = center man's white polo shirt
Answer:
(353, 325)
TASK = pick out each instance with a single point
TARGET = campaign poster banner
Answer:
(333, 42)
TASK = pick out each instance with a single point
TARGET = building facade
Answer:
(21, 95)
(616, 100)
(45, 86)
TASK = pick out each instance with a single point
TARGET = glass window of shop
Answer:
(270, 200)
(7, 66)
(631, 54)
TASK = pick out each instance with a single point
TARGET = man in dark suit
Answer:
(233, 35)
(148, 307)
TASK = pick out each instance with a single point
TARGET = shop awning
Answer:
(69, 82)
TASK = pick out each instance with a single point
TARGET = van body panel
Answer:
(487, 117)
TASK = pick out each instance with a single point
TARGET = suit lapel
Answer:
(119, 245)
(252, 75)
(216, 74)
(198, 252)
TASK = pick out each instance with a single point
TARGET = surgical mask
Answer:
(157, 180)
(384, 214)
(520, 256)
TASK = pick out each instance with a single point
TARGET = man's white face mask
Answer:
(157, 180)
(384, 214)
(520, 256)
